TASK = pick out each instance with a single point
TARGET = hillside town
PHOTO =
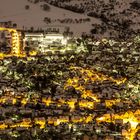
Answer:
(74, 75)
(89, 94)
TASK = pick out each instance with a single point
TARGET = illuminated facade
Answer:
(15, 40)
(33, 37)
(33, 40)
(54, 38)
(40, 41)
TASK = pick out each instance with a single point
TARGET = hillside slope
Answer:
(106, 18)
(34, 16)
(120, 18)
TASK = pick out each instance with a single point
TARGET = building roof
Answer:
(33, 34)
(53, 34)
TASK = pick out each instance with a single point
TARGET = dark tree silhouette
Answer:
(27, 7)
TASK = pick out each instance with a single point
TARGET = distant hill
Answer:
(101, 18)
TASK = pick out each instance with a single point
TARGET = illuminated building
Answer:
(33, 40)
(15, 40)
(41, 42)
(33, 37)
(54, 38)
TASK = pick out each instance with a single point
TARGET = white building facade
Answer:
(40, 41)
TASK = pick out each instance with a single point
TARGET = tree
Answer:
(47, 20)
(27, 7)
(135, 4)
(32, 29)
(14, 25)
(94, 31)
(36, 1)
(45, 7)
